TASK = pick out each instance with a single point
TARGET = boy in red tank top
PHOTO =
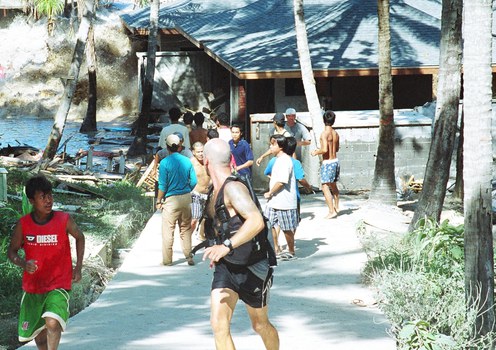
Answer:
(48, 273)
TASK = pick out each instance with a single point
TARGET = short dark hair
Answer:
(237, 126)
(282, 141)
(212, 134)
(223, 118)
(199, 118)
(291, 145)
(37, 183)
(174, 114)
(188, 118)
(329, 117)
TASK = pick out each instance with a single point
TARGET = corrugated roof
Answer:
(342, 35)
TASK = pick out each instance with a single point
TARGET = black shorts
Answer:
(252, 290)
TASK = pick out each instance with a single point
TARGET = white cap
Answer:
(172, 140)
(291, 111)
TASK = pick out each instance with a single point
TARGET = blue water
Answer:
(34, 131)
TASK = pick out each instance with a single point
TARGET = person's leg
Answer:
(169, 218)
(223, 302)
(41, 340)
(260, 322)
(53, 333)
(275, 237)
(289, 234)
(335, 195)
(329, 201)
(184, 221)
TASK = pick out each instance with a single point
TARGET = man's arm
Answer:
(259, 159)
(73, 229)
(193, 180)
(306, 138)
(323, 145)
(16, 244)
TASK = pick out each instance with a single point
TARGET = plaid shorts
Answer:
(197, 204)
(287, 219)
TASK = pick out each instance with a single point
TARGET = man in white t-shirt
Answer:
(174, 115)
(281, 209)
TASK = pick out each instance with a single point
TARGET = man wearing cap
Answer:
(174, 115)
(176, 180)
(277, 129)
(298, 130)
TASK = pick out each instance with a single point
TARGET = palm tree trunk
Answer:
(89, 122)
(477, 159)
(383, 185)
(307, 71)
(70, 86)
(138, 147)
(436, 177)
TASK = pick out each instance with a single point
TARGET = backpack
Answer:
(249, 253)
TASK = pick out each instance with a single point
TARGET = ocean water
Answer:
(34, 131)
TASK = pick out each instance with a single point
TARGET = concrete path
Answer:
(149, 306)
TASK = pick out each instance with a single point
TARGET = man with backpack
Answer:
(240, 253)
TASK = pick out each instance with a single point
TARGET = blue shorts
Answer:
(329, 171)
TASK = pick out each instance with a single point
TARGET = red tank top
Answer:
(49, 245)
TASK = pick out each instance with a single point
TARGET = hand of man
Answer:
(215, 253)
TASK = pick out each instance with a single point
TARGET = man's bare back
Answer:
(331, 138)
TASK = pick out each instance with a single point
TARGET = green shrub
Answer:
(420, 285)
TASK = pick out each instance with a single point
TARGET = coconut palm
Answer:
(51, 9)
(436, 177)
(138, 146)
(306, 70)
(477, 159)
(70, 85)
(383, 185)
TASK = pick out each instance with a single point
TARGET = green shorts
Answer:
(34, 309)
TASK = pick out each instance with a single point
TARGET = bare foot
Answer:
(331, 216)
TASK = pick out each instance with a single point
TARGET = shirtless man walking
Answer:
(200, 192)
(329, 171)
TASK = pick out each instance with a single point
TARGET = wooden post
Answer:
(3, 184)
(89, 159)
(109, 164)
(122, 162)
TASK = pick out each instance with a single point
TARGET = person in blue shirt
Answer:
(176, 180)
(241, 151)
(299, 175)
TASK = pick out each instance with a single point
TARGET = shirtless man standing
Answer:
(329, 171)
(200, 192)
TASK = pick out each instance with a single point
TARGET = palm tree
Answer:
(139, 143)
(383, 185)
(436, 177)
(89, 122)
(477, 159)
(306, 70)
(70, 86)
(51, 9)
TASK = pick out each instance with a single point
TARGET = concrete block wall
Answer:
(359, 133)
